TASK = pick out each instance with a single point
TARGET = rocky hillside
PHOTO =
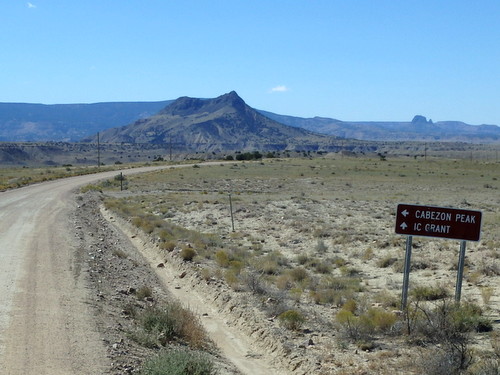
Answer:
(220, 124)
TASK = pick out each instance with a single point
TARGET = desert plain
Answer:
(301, 255)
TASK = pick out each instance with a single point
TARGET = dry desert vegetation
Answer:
(301, 254)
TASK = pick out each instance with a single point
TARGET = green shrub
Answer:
(292, 319)
(382, 320)
(446, 327)
(299, 274)
(364, 325)
(187, 253)
(179, 362)
(354, 327)
(163, 324)
(222, 258)
(350, 305)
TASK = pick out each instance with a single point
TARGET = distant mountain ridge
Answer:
(220, 124)
(21, 122)
(419, 129)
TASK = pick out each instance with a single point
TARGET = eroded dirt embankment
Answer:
(114, 271)
(242, 332)
(118, 259)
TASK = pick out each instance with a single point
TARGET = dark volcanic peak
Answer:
(185, 106)
(222, 123)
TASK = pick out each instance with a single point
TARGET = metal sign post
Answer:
(460, 272)
(441, 222)
(406, 273)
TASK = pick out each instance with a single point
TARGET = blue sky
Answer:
(379, 60)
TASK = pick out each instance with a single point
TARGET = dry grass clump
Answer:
(164, 324)
(179, 361)
(362, 326)
(291, 319)
(429, 293)
(187, 253)
(335, 290)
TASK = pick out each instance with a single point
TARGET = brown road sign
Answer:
(429, 221)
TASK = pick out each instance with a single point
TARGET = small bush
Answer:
(363, 326)
(354, 327)
(254, 283)
(179, 362)
(302, 259)
(350, 305)
(232, 279)
(382, 320)
(323, 267)
(222, 258)
(166, 323)
(187, 253)
(168, 246)
(299, 274)
(292, 319)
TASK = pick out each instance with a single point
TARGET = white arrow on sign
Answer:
(405, 213)
(403, 226)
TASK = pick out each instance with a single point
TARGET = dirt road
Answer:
(46, 324)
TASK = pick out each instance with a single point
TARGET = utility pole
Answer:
(98, 152)
(170, 148)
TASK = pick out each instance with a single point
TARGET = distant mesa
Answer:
(418, 119)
